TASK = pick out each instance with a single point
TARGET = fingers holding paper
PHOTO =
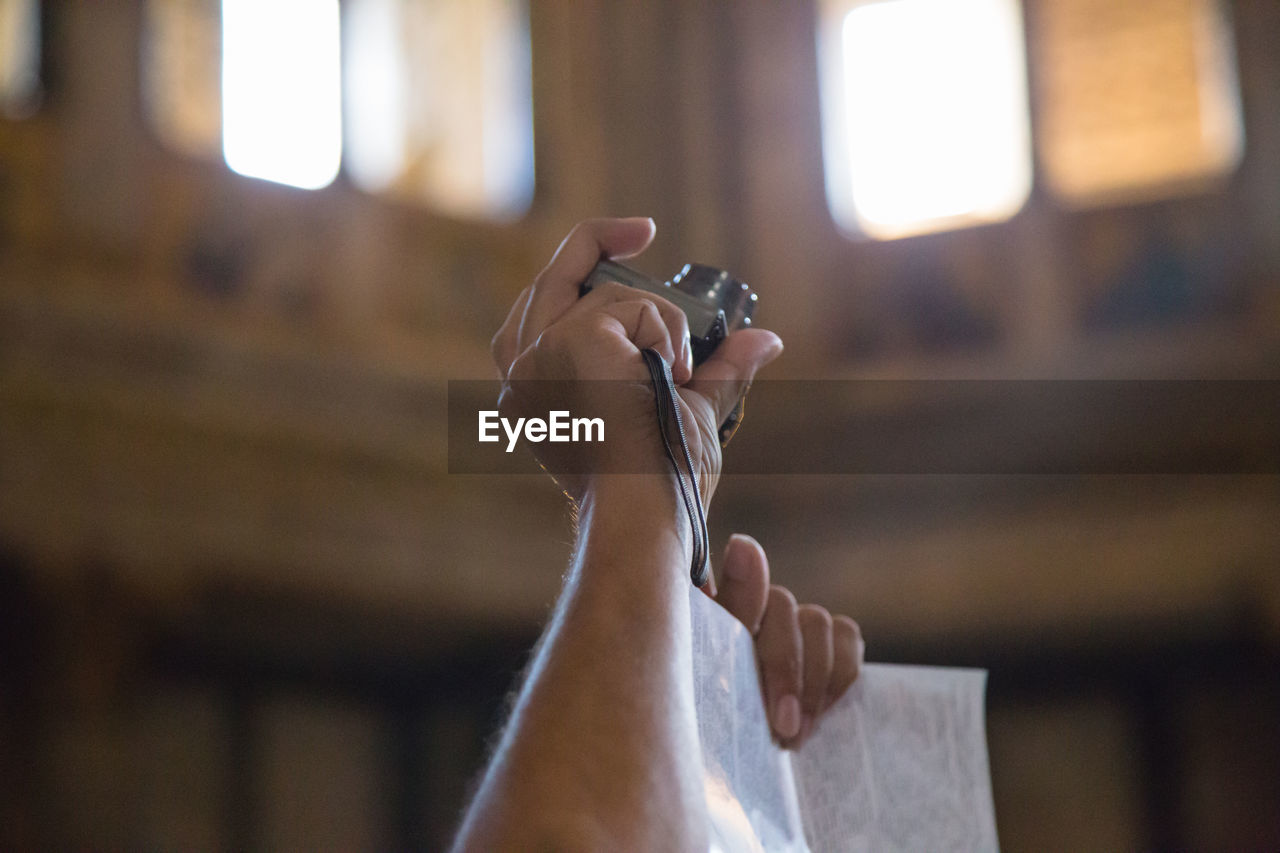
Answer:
(807, 657)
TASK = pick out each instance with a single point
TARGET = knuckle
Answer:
(681, 323)
(551, 339)
(639, 303)
(582, 229)
(521, 369)
(663, 303)
(781, 597)
(661, 307)
(814, 617)
(637, 314)
(672, 315)
(655, 316)
(783, 666)
(845, 628)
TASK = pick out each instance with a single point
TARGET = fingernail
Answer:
(686, 355)
(787, 716)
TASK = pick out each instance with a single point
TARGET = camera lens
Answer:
(717, 289)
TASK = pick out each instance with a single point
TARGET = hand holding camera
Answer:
(556, 332)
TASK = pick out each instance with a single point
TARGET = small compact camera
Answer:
(715, 302)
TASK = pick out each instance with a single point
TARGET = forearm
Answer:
(602, 750)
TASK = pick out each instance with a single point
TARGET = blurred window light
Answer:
(1137, 98)
(925, 119)
(181, 74)
(439, 106)
(434, 104)
(19, 57)
(282, 90)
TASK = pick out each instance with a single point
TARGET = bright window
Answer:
(1138, 98)
(282, 90)
(925, 114)
(439, 103)
(428, 101)
(19, 57)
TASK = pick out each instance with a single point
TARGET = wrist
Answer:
(639, 513)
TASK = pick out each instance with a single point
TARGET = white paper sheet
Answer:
(899, 763)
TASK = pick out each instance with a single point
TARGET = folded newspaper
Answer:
(898, 764)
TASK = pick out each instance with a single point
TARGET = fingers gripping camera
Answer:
(714, 302)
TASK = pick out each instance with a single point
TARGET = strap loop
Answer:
(668, 409)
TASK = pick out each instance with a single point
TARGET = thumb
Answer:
(723, 377)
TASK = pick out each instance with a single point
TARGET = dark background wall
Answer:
(242, 602)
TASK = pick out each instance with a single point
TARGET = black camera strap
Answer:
(668, 407)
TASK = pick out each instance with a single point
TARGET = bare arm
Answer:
(601, 751)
